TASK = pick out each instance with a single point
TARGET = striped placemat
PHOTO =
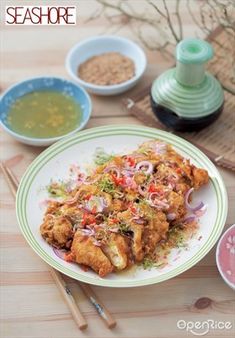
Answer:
(218, 140)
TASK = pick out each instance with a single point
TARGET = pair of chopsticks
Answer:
(59, 280)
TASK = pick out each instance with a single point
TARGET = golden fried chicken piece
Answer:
(184, 164)
(116, 161)
(200, 177)
(137, 243)
(165, 173)
(140, 177)
(176, 205)
(72, 213)
(118, 205)
(182, 188)
(53, 207)
(155, 231)
(137, 229)
(85, 252)
(116, 250)
(86, 190)
(57, 231)
(131, 195)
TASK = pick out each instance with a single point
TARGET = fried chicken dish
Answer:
(116, 216)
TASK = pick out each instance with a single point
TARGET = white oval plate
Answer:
(54, 163)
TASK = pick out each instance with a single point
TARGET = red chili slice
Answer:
(152, 188)
(119, 181)
(131, 161)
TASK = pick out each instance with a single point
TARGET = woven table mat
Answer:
(218, 140)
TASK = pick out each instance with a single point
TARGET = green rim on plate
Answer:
(122, 130)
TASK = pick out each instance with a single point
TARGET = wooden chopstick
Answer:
(68, 297)
(11, 180)
(99, 306)
(57, 276)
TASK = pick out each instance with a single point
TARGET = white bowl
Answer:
(105, 44)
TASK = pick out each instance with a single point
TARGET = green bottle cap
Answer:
(193, 51)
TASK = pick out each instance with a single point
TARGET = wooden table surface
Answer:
(31, 305)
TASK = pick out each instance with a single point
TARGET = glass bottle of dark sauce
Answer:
(187, 98)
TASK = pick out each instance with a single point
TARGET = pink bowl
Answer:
(225, 256)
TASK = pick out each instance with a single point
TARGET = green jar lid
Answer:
(187, 90)
(193, 51)
(187, 102)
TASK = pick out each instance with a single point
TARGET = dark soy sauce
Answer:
(173, 121)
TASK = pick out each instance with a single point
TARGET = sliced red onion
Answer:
(89, 182)
(152, 194)
(128, 172)
(190, 218)
(138, 220)
(130, 183)
(96, 243)
(101, 225)
(144, 164)
(74, 199)
(114, 230)
(96, 202)
(99, 215)
(157, 203)
(76, 226)
(141, 191)
(160, 148)
(60, 253)
(50, 215)
(85, 208)
(88, 231)
(90, 228)
(171, 216)
(79, 206)
(171, 186)
(200, 212)
(114, 169)
(191, 208)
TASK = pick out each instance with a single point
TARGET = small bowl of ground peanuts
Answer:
(106, 65)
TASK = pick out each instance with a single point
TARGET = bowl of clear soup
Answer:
(40, 111)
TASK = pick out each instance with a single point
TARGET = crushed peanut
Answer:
(107, 69)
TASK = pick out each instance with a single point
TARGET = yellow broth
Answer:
(44, 114)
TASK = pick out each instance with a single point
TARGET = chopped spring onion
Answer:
(101, 157)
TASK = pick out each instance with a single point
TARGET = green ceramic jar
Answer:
(187, 97)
